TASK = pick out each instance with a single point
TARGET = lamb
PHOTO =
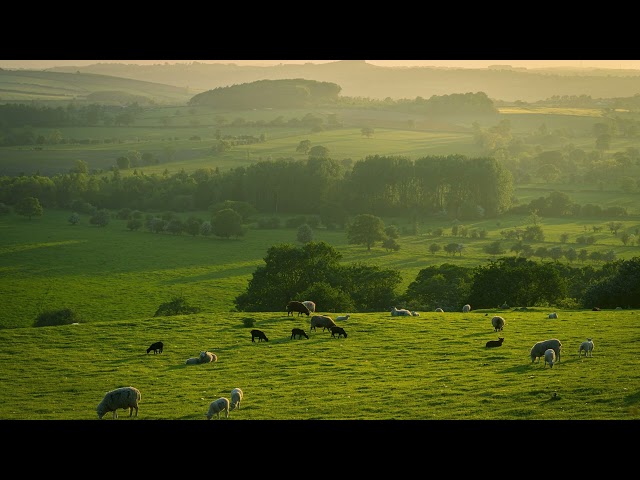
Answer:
(299, 332)
(236, 397)
(595, 309)
(339, 331)
(158, 346)
(498, 323)
(259, 334)
(539, 348)
(495, 343)
(439, 310)
(217, 406)
(553, 315)
(342, 317)
(587, 346)
(299, 307)
(414, 313)
(193, 361)
(208, 357)
(400, 312)
(466, 308)
(322, 321)
(549, 357)
(124, 397)
(310, 305)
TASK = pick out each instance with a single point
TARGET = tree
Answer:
(74, 218)
(367, 132)
(305, 233)
(227, 223)
(123, 163)
(366, 229)
(390, 244)
(29, 207)
(434, 248)
(100, 218)
(304, 146)
(318, 151)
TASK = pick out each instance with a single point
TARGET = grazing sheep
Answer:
(236, 397)
(208, 357)
(322, 321)
(595, 309)
(587, 346)
(310, 305)
(193, 361)
(124, 397)
(539, 348)
(217, 406)
(466, 308)
(259, 334)
(498, 323)
(339, 331)
(343, 317)
(299, 332)
(400, 312)
(549, 357)
(414, 313)
(299, 307)
(158, 346)
(495, 343)
(553, 315)
(439, 310)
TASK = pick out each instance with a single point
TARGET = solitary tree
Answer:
(227, 223)
(366, 229)
(305, 233)
(29, 207)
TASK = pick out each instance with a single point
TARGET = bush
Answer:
(65, 316)
(177, 306)
(248, 322)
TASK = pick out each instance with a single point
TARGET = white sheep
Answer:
(587, 346)
(208, 357)
(236, 397)
(553, 315)
(498, 323)
(439, 310)
(466, 308)
(310, 305)
(124, 397)
(400, 312)
(549, 357)
(414, 313)
(217, 406)
(343, 317)
(539, 348)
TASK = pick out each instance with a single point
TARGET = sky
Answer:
(615, 64)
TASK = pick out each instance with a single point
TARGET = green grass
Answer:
(431, 367)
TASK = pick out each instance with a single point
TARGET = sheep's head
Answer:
(589, 339)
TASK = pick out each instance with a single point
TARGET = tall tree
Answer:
(29, 207)
(366, 229)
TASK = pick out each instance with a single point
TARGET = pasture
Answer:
(431, 367)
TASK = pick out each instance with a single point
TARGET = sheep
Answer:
(299, 332)
(124, 397)
(549, 357)
(259, 334)
(439, 310)
(322, 321)
(193, 361)
(299, 307)
(217, 406)
(339, 331)
(466, 308)
(236, 397)
(498, 323)
(553, 315)
(494, 343)
(158, 346)
(342, 317)
(208, 357)
(310, 305)
(595, 309)
(587, 346)
(414, 313)
(400, 312)
(539, 348)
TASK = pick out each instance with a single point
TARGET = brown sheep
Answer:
(322, 321)
(299, 307)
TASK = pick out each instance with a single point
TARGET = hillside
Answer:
(360, 79)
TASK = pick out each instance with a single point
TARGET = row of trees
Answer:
(314, 271)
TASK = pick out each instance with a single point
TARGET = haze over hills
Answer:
(357, 78)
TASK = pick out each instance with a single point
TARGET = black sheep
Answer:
(259, 334)
(495, 343)
(339, 331)
(299, 332)
(158, 346)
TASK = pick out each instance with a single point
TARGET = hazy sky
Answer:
(620, 64)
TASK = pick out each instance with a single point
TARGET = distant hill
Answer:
(360, 79)
(46, 86)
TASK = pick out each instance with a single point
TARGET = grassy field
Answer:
(432, 367)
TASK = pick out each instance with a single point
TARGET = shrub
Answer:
(248, 322)
(65, 316)
(177, 306)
